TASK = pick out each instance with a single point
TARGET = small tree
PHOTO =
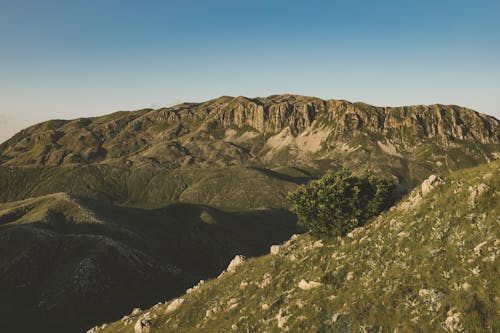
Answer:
(339, 202)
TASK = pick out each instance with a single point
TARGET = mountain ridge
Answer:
(110, 137)
(118, 157)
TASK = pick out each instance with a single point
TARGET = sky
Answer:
(67, 59)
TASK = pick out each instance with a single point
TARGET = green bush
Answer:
(339, 202)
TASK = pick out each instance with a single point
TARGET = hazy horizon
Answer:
(70, 59)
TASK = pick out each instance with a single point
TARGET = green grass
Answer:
(408, 271)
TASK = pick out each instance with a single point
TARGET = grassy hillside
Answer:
(66, 262)
(428, 265)
(147, 186)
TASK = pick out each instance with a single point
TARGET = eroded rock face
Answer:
(188, 127)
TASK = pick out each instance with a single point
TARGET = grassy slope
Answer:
(430, 267)
(147, 186)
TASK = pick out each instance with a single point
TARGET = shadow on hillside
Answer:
(285, 177)
(67, 277)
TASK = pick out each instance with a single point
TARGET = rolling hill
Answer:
(67, 261)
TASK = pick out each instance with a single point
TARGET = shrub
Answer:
(339, 202)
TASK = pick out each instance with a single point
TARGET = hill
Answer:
(66, 261)
(428, 264)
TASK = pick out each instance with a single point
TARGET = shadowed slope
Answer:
(66, 261)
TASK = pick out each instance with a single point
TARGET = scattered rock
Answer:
(237, 261)
(275, 249)
(174, 305)
(135, 311)
(416, 196)
(232, 303)
(453, 322)
(194, 288)
(466, 286)
(264, 306)
(356, 232)
(430, 183)
(338, 256)
(142, 326)
(317, 244)
(210, 312)
(305, 285)
(477, 249)
(349, 276)
(476, 191)
(281, 319)
(266, 280)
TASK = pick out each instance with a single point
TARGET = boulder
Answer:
(142, 326)
(476, 191)
(237, 261)
(275, 249)
(174, 305)
(430, 183)
(136, 311)
(306, 285)
(416, 196)
(453, 322)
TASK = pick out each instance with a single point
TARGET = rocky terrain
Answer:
(99, 215)
(430, 264)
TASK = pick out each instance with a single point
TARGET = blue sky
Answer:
(69, 59)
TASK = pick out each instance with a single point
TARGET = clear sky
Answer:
(68, 59)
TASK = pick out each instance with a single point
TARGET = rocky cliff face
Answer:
(280, 130)
(168, 135)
